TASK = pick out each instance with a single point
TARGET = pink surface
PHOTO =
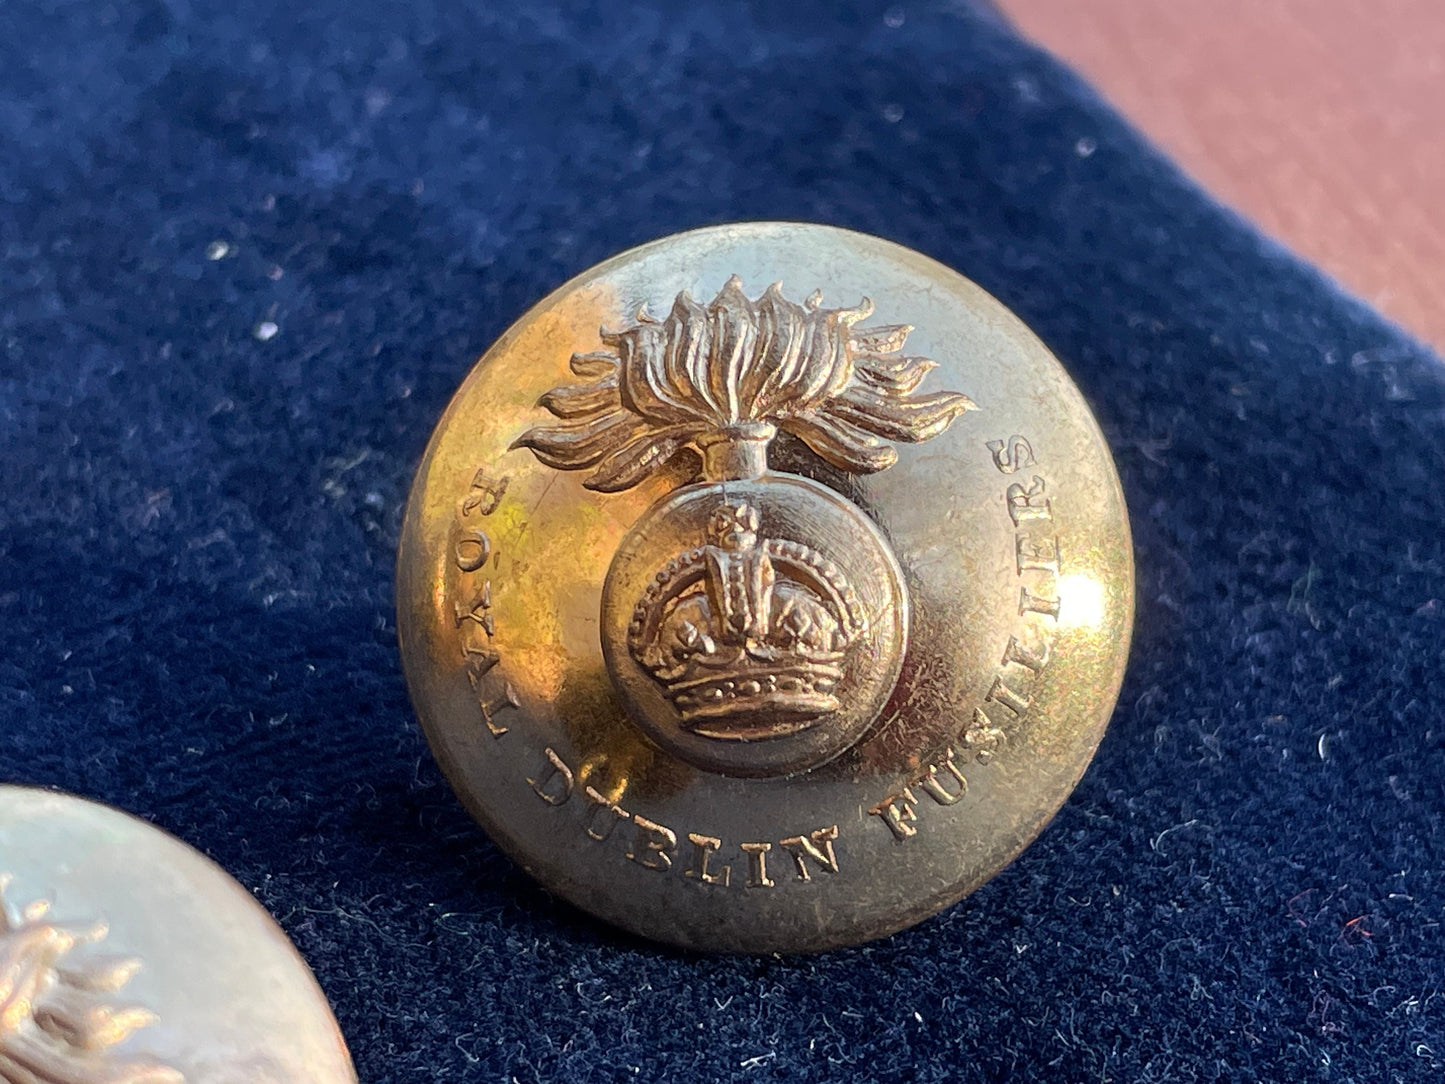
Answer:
(1322, 120)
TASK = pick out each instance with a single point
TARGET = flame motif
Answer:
(741, 368)
(54, 1028)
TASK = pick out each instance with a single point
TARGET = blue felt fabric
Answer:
(197, 526)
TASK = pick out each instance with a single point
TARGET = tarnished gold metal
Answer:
(760, 624)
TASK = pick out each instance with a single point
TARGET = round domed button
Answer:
(127, 957)
(765, 588)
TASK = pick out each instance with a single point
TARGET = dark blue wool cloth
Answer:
(248, 250)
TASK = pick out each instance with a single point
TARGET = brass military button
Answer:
(765, 588)
(127, 957)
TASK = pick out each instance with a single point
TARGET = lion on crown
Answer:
(745, 632)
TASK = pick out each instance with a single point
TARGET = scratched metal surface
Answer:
(1015, 649)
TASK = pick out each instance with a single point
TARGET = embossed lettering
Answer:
(653, 846)
(817, 846)
(473, 611)
(484, 495)
(1019, 655)
(1024, 656)
(1037, 555)
(602, 815)
(1013, 454)
(479, 609)
(480, 661)
(943, 781)
(473, 549)
(491, 705)
(1000, 693)
(898, 812)
(937, 789)
(1029, 504)
(1029, 603)
(555, 785)
(757, 864)
(982, 739)
(703, 848)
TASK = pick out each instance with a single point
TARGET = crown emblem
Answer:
(785, 606)
(746, 630)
